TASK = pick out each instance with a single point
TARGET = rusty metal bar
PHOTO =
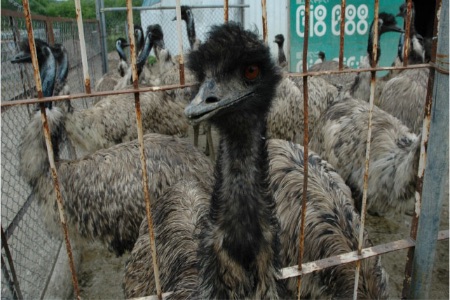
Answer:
(225, 11)
(305, 145)
(94, 94)
(264, 20)
(342, 36)
(49, 30)
(180, 42)
(349, 257)
(11, 264)
(422, 158)
(407, 39)
(369, 139)
(79, 17)
(142, 149)
(48, 142)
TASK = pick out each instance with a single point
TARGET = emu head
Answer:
(237, 77)
(279, 39)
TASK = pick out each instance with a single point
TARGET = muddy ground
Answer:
(101, 273)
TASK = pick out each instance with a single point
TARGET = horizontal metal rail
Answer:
(109, 9)
(95, 94)
(17, 14)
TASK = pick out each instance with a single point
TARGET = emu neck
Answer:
(370, 48)
(281, 55)
(63, 67)
(144, 54)
(190, 28)
(48, 75)
(242, 208)
(121, 53)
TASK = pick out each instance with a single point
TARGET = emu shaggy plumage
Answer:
(340, 137)
(102, 192)
(232, 247)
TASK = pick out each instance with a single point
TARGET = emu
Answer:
(279, 40)
(340, 137)
(102, 192)
(227, 239)
(111, 121)
(108, 81)
(361, 86)
(404, 95)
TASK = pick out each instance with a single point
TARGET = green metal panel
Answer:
(324, 31)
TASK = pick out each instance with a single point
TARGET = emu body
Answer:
(235, 243)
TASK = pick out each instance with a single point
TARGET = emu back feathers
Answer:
(331, 229)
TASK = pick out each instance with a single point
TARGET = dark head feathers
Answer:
(229, 47)
(279, 39)
(156, 32)
(388, 19)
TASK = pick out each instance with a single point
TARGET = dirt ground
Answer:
(101, 272)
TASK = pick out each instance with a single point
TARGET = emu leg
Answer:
(196, 131)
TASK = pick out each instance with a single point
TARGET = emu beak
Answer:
(21, 57)
(125, 45)
(211, 100)
(392, 28)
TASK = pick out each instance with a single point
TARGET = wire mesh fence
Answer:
(34, 250)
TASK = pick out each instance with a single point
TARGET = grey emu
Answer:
(108, 81)
(286, 117)
(279, 40)
(361, 86)
(230, 247)
(102, 192)
(112, 120)
(404, 95)
(141, 63)
(340, 137)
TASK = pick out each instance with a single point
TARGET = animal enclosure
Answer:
(31, 255)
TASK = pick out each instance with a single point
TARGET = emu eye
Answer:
(251, 72)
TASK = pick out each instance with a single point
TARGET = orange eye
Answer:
(251, 72)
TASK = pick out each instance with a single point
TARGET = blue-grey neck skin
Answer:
(145, 52)
(190, 27)
(48, 72)
(139, 36)
(120, 51)
(63, 63)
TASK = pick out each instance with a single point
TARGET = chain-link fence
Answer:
(34, 251)
(204, 16)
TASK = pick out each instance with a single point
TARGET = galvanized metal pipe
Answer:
(142, 151)
(422, 159)
(305, 148)
(48, 142)
(79, 16)
(368, 143)
(99, 5)
(437, 166)
(115, 9)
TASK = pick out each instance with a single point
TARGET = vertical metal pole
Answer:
(48, 143)
(137, 104)
(225, 11)
(99, 5)
(369, 139)
(342, 35)
(305, 149)
(436, 171)
(180, 41)
(79, 16)
(423, 157)
(264, 20)
(407, 32)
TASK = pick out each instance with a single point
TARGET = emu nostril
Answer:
(212, 99)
